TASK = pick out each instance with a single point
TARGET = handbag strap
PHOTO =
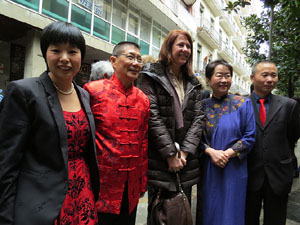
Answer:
(179, 182)
(185, 202)
(180, 187)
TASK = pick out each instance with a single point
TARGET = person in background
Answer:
(205, 93)
(49, 172)
(121, 113)
(176, 117)
(270, 162)
(148, 59)
(101, 70)
(229, 135)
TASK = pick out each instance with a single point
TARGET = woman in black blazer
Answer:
(48, 166)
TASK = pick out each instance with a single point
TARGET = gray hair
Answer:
(99, 69)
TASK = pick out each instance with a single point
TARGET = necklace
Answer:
(64, 92)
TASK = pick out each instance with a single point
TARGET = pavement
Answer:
(293, 212)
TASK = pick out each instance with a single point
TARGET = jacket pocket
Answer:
(286, 161)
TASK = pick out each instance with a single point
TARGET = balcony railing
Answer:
(241, 69)
(226, 53)
(215, 6)
(208, 33)
(227, 23)
(238, 41)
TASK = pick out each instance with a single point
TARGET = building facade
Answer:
(104, 23)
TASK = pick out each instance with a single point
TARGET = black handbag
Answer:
(171, 208)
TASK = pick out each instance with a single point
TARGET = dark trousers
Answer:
(124, 218)
(275, 207)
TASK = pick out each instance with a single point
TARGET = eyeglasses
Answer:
(220, 76)
(132, 58)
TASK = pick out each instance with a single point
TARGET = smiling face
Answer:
(265, 78)
(127, 65)
(63, 60)
(220, 81)
(181, 50)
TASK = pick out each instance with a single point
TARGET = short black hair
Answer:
(62, 32)
(118, 49)
(210, 68)
(254, 67)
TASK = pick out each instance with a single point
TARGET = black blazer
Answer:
(34, 152)
(271, 157)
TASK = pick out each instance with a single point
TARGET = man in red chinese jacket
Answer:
(121, 113)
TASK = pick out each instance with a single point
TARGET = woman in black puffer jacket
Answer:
(176, 116)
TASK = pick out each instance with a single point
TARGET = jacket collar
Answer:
(47, 83)
(157, 72)
(275, 105)
(118, 84)
(57, 113)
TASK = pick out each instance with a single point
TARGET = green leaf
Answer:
(286, 42)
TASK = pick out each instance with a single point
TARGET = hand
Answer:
(230, 153)
(174, 163)
(183, 157)
(218, 157)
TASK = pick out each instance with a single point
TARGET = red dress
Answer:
(79, 204)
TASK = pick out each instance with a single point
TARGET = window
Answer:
(164, 33)
(156, 34)
(155, 52)
(212, 25)
(81, 18)
(117, 35)
(57, 9)
(145, 28)
(102, 8)
(144, 48)
(101, 29)
(124, 2)
(201, 12)
(227, 43)
(132, 38)
(33, 4)
(199, 49)
(220, 36)
(133, 24)
(87, 4)
(119, 15)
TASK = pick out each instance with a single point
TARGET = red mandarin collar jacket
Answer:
(121, 118)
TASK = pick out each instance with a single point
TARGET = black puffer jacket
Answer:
(162, 130)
